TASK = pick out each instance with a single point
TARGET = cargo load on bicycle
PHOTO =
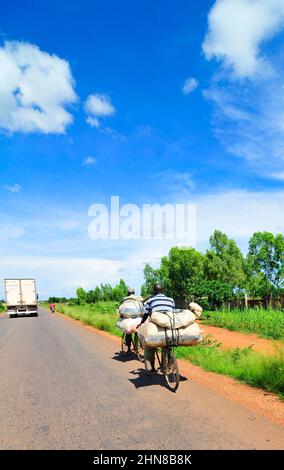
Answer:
(128, 325)
(154, 336)
(131, 308)
(175, 319)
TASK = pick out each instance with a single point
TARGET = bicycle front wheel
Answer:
(170, 370)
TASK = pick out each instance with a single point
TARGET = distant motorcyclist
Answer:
(52, 308)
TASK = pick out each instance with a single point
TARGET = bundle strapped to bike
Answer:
(172, 333)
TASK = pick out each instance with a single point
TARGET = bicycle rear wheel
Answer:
(170, 369)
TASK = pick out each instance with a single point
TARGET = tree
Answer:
(107, 292)
(81, 295)
(184, 266)
(120, 291)
(152, 276)
(211, 294)
(91, 297)
(224, 261)
(265, 263)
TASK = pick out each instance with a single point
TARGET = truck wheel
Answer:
(12, 316)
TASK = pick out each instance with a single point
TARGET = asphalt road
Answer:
(64, 387)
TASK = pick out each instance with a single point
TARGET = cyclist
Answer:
(135, 298)
(159, 302)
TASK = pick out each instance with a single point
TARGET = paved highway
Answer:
(64, 387)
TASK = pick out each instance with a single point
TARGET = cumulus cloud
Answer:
(13, 188)
(35, 88)
(236, 31)
(89, 161)
(189, 86)
(248, 115)
(97, 106)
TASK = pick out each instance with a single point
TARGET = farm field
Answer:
(266, 323)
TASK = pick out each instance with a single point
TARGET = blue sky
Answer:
(94, 103)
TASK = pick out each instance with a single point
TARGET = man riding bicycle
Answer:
(136, 299)
(159, 302)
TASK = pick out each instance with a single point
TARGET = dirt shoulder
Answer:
(234, 339)
(254, 399)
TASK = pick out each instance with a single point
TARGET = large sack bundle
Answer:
(128, 325)
(176, 319)
(131, 308)
(196, 309)
(154, 336)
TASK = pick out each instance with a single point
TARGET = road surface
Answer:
(64, 387)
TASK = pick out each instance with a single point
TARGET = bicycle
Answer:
(135, 344)
(167, 365)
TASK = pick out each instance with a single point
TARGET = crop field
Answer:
(266, 323)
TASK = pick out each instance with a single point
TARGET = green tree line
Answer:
(219, 275)
(102, 293)
(222, 273)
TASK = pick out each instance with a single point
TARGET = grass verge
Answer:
(244, 365)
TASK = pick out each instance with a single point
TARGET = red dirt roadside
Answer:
(234, 339)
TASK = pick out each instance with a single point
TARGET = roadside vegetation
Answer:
(101, 315)
(2, 307)
(267, 323)
(219, 280)
(245, 365)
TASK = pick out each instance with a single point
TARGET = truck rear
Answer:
(21, 297)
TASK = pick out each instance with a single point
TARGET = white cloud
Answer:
(13, 188)
(98, 105)
(239, 213)
(277, 175)
(174, 180)
(93, 121)
(35, 87)
(189, 86)
(89, 161)
(248, 117)
(236, 31)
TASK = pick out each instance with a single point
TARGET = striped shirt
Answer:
(159, 303)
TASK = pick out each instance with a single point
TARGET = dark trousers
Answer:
(128, 340)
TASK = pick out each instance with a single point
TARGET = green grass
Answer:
(101, 315)
(245, 365)
(266, 323)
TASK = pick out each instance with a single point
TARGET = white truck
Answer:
(21, 297)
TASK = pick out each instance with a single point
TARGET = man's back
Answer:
(159, 303)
